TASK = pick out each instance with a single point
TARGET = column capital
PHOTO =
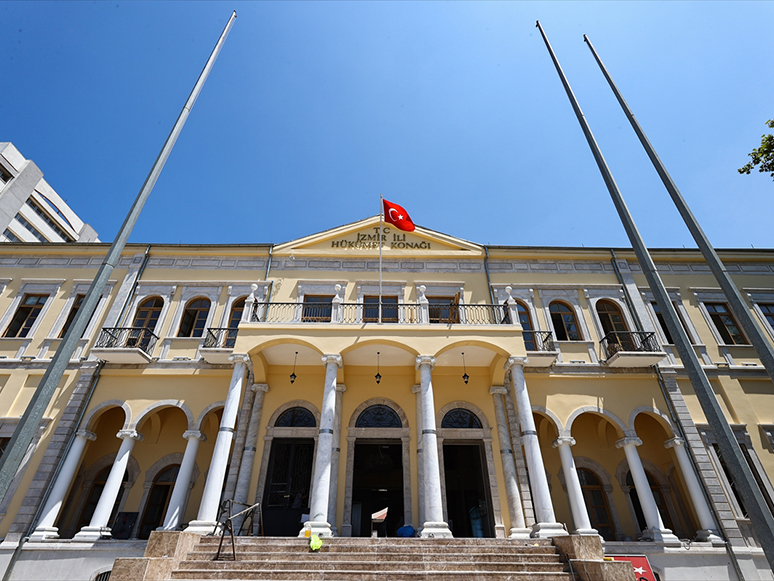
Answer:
(188, 434)
(629, 441)
(416, 388)
(259, 387)
(495, 389)
(562, 440)
(133, 434)
(333, 358)
(239, 358)
(425, 360)
(341, 387)
(86, 435)
(675, 442)
(522, 361)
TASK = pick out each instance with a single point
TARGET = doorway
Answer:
(286, 496)
(377, 483)
(468, 504)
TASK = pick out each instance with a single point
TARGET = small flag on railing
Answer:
(397, 216)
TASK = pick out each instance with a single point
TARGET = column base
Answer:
(587, 533)
(546, 530)
(436, 530)
(660, 536)
(520, 533)
(319, 528)
(707, 535)
(202, 527)
(44, 533)
(91, 534)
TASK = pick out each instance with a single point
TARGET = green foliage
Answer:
(763, 155)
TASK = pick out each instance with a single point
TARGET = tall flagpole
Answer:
(381, 220)
(28, 425)
(759, 512)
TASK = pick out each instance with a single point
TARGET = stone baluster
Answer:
(98, 527)
(546, 525)
(46, 528)
(434, 526)
(519, 529)
(580, 515)
(655, 526)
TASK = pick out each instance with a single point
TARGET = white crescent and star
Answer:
(639, 570)
(391, 210)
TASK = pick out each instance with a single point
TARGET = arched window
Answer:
(148, 313)
(596, 504)
(378, 416)
(460, 418)
(614, 328)
(296, 417)
(236, 313)
(657, 496)
(94, 494)
(194, 318)
(526, 324)
(158, 500)
(563, 320)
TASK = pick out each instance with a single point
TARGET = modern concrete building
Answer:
(30, 209)
(500, 392)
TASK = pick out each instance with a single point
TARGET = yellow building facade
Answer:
(497, 392)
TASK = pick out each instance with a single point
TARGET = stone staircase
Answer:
(382, 559)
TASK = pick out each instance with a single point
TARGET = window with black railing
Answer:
(444, 309)
(220, 338)
(317, 309)
(127, 338)
(539, 341)
(630, 341)
(389, 312)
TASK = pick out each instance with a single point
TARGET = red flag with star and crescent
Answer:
(397, 216)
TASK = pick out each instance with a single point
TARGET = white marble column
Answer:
(655, 530)
(318, 507)
(208, 508)
(98, 527)
(546, 525)
(519, 529)
(434, 526)
(580, 513)
(417, 389)
(46, 528)
(179, 498)
(333, 496)
(709, 528)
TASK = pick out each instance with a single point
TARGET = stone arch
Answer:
(282, 340)
(473, 343)
(379, 401)
(381, 341)
(661, 417)
(206, 411)
(475, 410)
(550, 415)
(102, 407)
(296, 403)
(164, 403)
(614, 419)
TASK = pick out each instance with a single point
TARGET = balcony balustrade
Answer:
(630, 349)
(218, 344)
(125, 344)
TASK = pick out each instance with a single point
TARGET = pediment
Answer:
(362, 239)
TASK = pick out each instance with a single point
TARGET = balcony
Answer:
(218, 344)
(541, 349)
(361, 313)
(630, 349)
(125, 345)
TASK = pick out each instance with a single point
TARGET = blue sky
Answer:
(451, 109)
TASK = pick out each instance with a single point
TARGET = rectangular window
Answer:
(725, 324)
(73, 312)
(11, 236)
(768, 313)
(371, 309)
(32, 230)
(25, 316)
(444, 309)
(317, 308)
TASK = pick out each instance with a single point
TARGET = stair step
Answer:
(381, 556)
(421, 566)
(369, 575)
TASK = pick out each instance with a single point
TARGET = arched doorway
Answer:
(289, 475)
(596, 504)
(158, 500)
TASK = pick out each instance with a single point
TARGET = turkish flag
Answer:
(397, 216)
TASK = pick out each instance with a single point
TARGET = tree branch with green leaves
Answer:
(763, 155)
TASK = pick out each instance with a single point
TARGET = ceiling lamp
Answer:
(293, 375)
(465, 376)
(378, 376)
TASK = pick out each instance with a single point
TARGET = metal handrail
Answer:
(354, 313)
(227, 524)
(220, 338)
(539, 340)
(127, 338)
(630, 341)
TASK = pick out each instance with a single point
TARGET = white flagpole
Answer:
(381, 220)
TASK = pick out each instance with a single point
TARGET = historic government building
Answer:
(511, 392)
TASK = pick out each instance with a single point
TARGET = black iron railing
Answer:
(539, 340)
(127, 338)
(352, 313)
(220, 338)
(482, 314)
(617, 341)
